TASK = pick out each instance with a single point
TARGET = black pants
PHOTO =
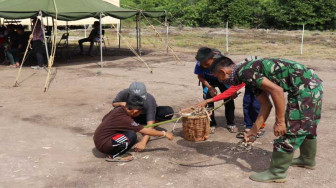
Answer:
(163, 113)
(122, 142)
(38, 51)
(229, 107)
(80, 42)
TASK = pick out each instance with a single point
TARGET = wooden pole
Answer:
(302, 39)
(45, 41)
(140, 41)
(137, 31)
(167, 30)
(84, 31)
(119, 33)
(139, 34)
(227, 37)
(100, 39)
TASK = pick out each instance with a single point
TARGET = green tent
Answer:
(71, 10)
(67, 10)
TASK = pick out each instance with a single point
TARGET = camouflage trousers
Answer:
(303, 113)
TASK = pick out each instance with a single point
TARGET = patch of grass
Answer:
(275, 43)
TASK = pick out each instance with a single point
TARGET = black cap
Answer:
(204, 53)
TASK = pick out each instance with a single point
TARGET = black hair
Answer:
(204, 53)
(135, 102)
(220, 63)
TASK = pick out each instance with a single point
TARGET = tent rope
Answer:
(132, 49)
(176, 18)
(158, 35)
(16, 84)
(53, 50)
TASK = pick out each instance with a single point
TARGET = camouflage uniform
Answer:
(304, 90)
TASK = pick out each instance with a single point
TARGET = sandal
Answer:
(232, 128)
(122, 158)
(241, 134)
(12, 66)
(260, 133)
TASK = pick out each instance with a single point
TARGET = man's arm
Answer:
(226, 94)
(120, 99)
(116, 104)
(213, 91)
(140, 146)
(153, 132)
(265, 109)
(278, 98)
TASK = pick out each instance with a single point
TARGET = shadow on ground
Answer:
(255, 159)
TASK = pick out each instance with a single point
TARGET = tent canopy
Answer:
(67, 10)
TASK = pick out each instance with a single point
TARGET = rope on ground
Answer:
(158, 35)
(132, 49)
(16, 84)
(53, 50)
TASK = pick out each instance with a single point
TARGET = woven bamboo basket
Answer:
(196, 128)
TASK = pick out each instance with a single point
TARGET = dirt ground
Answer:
(46, 138)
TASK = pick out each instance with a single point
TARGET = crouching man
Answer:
(117, 132)
(150, 114)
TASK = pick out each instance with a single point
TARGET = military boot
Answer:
(307, 154)
(277, 171)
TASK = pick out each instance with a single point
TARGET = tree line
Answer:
(276, 14)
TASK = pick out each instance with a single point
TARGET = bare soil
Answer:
(46, 138)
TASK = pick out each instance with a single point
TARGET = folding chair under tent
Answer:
(69, 10)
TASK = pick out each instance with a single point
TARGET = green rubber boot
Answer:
(307, 154)
(277, 171)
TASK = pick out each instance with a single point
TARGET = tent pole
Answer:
(100, 39)
(45, 40)
(84, 31)
(137, 31)
(118, 33)
(139, 35)
(167, 29)
(302, 39)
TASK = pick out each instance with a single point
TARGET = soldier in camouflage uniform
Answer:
(295, 126)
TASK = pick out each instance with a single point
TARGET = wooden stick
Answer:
(175, 119)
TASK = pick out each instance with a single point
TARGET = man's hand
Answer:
(31, 36)
(250, 136)
(140, 146)
(203, 103)
(279, 128)
(116, 104)
(234, 96)
(213, 91)
(169, 136)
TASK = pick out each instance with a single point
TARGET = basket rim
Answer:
(195, 117)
